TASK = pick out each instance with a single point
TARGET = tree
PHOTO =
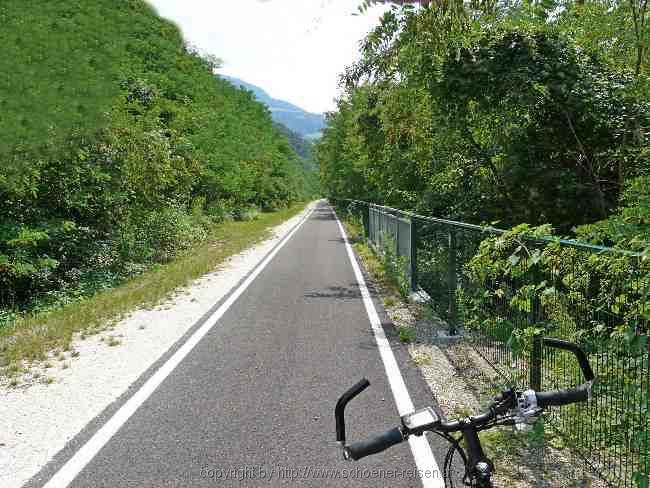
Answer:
(484, 120)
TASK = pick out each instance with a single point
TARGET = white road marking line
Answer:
(71, 469)
(431, 476)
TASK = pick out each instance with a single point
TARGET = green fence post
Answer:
(366, 220)
(451, 281)
(414, 255)
(396, 236)
(535, 365)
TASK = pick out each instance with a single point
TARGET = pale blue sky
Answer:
(294, 49)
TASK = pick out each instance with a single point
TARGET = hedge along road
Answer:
(248, 398)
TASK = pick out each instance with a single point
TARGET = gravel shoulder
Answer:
(60, 397)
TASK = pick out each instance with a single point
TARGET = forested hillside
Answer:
(119, 148)
(512, 113)
(304, 148)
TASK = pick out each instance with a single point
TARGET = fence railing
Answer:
(611, 433)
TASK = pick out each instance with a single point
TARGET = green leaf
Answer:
(641, 480)
(549, 291)
(514, 260)
(514, 344)
(536, 256)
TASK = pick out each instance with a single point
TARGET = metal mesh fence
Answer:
(391, 233)
(593, 295)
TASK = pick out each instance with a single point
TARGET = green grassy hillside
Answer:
(119, 148)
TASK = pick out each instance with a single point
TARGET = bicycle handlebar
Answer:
(529, 404)
(575, 349)
(339, 411)
(567, 396)
(377, 444)
(500, 406)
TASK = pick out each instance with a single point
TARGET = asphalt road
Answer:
(252, 404)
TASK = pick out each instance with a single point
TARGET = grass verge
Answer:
(373, 264)
(30, 338)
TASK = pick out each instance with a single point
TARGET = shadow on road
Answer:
(323, 214)
(337, 292)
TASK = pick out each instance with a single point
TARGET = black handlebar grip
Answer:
(575, 349)
(563, 397)
(380, 443)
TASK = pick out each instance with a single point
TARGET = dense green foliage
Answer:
(119, 148)
(518, 288)
(534, 115)
(504, 114)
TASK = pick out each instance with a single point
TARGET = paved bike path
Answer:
(252, 404)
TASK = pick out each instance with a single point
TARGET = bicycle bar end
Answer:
(339, 411)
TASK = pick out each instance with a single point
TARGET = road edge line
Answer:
(422, 453)
(71, 469)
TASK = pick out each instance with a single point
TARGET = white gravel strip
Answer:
(36, 422)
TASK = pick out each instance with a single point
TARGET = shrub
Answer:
(247, 213)
(394, 265)
(157, 236)
(220, 211)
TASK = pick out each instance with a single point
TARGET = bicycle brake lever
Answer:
(527, 410)
(504, 401)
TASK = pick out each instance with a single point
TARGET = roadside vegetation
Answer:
(488, 112)
(533, 117)
(121, 150)
(32, 336)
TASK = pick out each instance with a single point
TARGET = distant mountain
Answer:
(308, 125)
